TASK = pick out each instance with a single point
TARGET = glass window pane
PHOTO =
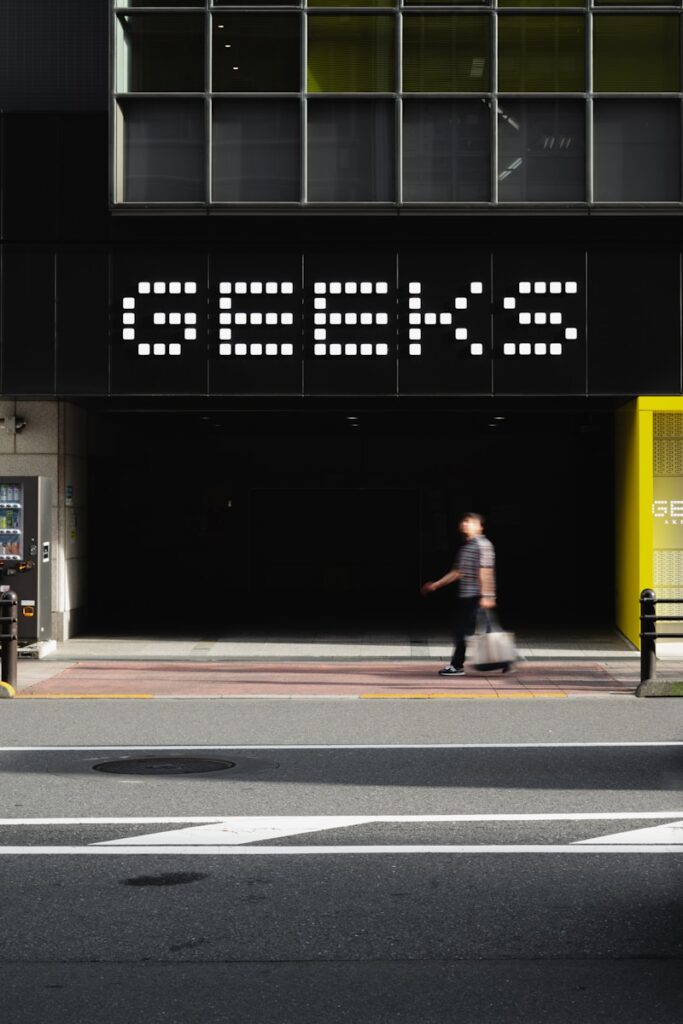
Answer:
(351, 151)
(350, 54)
(447, 3)
(163, 151)
(446, 151)
(256, 53)
(351, 3)
(636, 53)
(541, 53)
(161, 53)
(541, 3)
(636, 151)
(256, 151)
(541, 151)
(159, 3)
(446, 53)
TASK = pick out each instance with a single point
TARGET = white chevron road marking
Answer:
(667, 834)
(237, 831)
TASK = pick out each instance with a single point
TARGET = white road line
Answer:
(297, 851)
(131, 821)
(350, 746)
(215, 818)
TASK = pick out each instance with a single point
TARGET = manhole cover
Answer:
(163, 766)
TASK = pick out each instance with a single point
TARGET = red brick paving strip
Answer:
(321, 679)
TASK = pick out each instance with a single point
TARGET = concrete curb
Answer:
(660, 688)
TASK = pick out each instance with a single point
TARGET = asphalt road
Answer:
(423, 863)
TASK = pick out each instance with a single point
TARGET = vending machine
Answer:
(25, 551)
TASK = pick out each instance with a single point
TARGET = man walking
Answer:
(474, 570)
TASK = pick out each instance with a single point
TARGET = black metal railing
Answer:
(649, 634)
(9, 636)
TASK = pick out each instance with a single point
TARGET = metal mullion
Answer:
(398, 105)
(115, 143)
(433, 94)
(303, 104)
(590, 177)
(493, 85)
(208, 103)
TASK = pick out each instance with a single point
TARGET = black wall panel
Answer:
(254, 320)
(539, 323)
(218, 321)
(82, 177)
(28, 322)
(53, 56)
(344, 354)
(446, 303)
(53, 175)
(82, 322)
(29, 158)
(634, 317)
(149, 357)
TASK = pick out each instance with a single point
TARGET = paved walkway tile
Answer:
(400, 679)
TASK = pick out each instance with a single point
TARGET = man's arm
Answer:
(450, 577)
(487, 582)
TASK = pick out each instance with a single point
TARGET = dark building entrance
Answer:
(298, 522)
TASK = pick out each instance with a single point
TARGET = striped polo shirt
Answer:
(475, 554)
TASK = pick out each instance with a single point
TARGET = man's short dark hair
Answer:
(473, 515)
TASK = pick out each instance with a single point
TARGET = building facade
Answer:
(287, 286)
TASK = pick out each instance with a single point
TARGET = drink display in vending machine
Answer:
(25, 552)
(11, 521)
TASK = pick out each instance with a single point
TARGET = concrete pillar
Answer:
(54, 444)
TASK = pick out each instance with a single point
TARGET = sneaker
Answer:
(450, 670)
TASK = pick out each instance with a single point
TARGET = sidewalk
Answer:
(364, 679)
(568, 666)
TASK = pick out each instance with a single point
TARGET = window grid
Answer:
(398, 10)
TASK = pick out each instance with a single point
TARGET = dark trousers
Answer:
(465, 625)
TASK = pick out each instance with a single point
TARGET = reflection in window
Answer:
(446, 53)
(541, 151)
(256, 53)
(161, 53)
(636, 53)
(446, 151)
(636, 151)
(163, 151)
(541, 53)
(351, 151)
(351, 54)
(256, 151)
